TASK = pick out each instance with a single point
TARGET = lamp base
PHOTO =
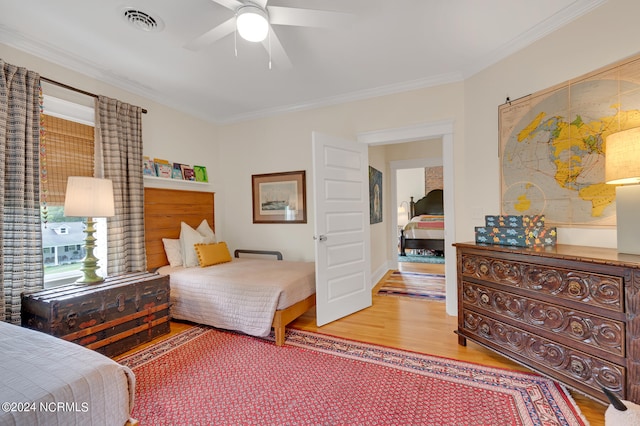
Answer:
(628, 213)
(88, 279)
(90, 262)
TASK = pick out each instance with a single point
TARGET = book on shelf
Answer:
(148, 168)
(163, 168)
(201, 173)
(176, 172)
(187, 172)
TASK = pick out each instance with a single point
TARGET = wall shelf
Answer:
(172, 181)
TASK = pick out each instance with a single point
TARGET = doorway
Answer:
(412, 184)
(434, 130)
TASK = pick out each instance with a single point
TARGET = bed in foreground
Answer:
(247, 295)
(49, 381)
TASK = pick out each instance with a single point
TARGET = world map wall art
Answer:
(552, 146)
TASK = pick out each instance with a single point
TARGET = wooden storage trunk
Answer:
(111, 317)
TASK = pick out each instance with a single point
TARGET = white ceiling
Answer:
(385, 46)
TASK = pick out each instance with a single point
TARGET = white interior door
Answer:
(343, 265)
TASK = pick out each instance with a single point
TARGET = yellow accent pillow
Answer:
(212, 254)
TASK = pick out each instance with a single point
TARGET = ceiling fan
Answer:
(254, 20)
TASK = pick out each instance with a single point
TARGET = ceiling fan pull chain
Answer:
(235, 39)
(269, 47)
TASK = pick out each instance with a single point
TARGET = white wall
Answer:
(283, 143)
(604, 36)
(410, 184)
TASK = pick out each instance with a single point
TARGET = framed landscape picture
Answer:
(279, 197)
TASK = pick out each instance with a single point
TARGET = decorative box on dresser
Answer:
(568, 312)
(111, 317)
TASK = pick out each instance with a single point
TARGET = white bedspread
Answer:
(240, 295)
(424, 234)
(48, 381)
(425, 227)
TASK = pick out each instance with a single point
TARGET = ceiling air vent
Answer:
(142, 20)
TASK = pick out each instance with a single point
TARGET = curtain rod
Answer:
(66, 86)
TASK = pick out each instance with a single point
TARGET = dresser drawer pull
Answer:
(575, 288)
(577, 367)
(484, 329)
(577, 328)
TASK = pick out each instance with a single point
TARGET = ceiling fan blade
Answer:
(261, 3)
(213, 35)
(279, 15)
(229, 4)
(278, 55)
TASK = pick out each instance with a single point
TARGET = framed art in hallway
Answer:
(375, 196)
(279, 197)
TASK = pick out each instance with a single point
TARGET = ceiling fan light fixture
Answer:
(252, 23)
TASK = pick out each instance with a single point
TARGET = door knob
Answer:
(320, 238)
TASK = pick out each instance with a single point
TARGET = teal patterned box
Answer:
(517, 237)
(515, 221)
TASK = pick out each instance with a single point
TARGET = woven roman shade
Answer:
(69, 152)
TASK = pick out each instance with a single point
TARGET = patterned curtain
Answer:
(21, 267)
(119, 143)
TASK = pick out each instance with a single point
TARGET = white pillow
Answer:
(205, 230)
(188, 238)
(173, 251)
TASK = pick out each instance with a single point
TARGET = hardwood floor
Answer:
(414, 325)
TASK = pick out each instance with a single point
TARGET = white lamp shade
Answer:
(402, 216)
(88, 197)
(622, 159)
(252, 23)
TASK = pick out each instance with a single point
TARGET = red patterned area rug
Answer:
(207, 376)
(414, 284)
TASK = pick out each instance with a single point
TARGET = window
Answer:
(69, 151)
(62, 230)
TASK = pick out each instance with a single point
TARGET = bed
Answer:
(425, 230)
(258, 294)
(49, 381)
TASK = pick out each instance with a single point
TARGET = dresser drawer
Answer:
(588, 331)
(578, 369)
(592, 289)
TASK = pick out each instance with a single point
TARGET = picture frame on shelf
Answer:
(279, 197)
(176, 171)
(163, 168)
(148, 168)
(201, 173)
(187, 172)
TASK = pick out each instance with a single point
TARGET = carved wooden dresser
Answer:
(111, 317)
(568, 312)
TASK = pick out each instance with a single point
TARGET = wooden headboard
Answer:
(164, 209)
(432, 203)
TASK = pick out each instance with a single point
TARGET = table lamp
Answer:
(403, 214)
(622, 167)
(91, 198)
